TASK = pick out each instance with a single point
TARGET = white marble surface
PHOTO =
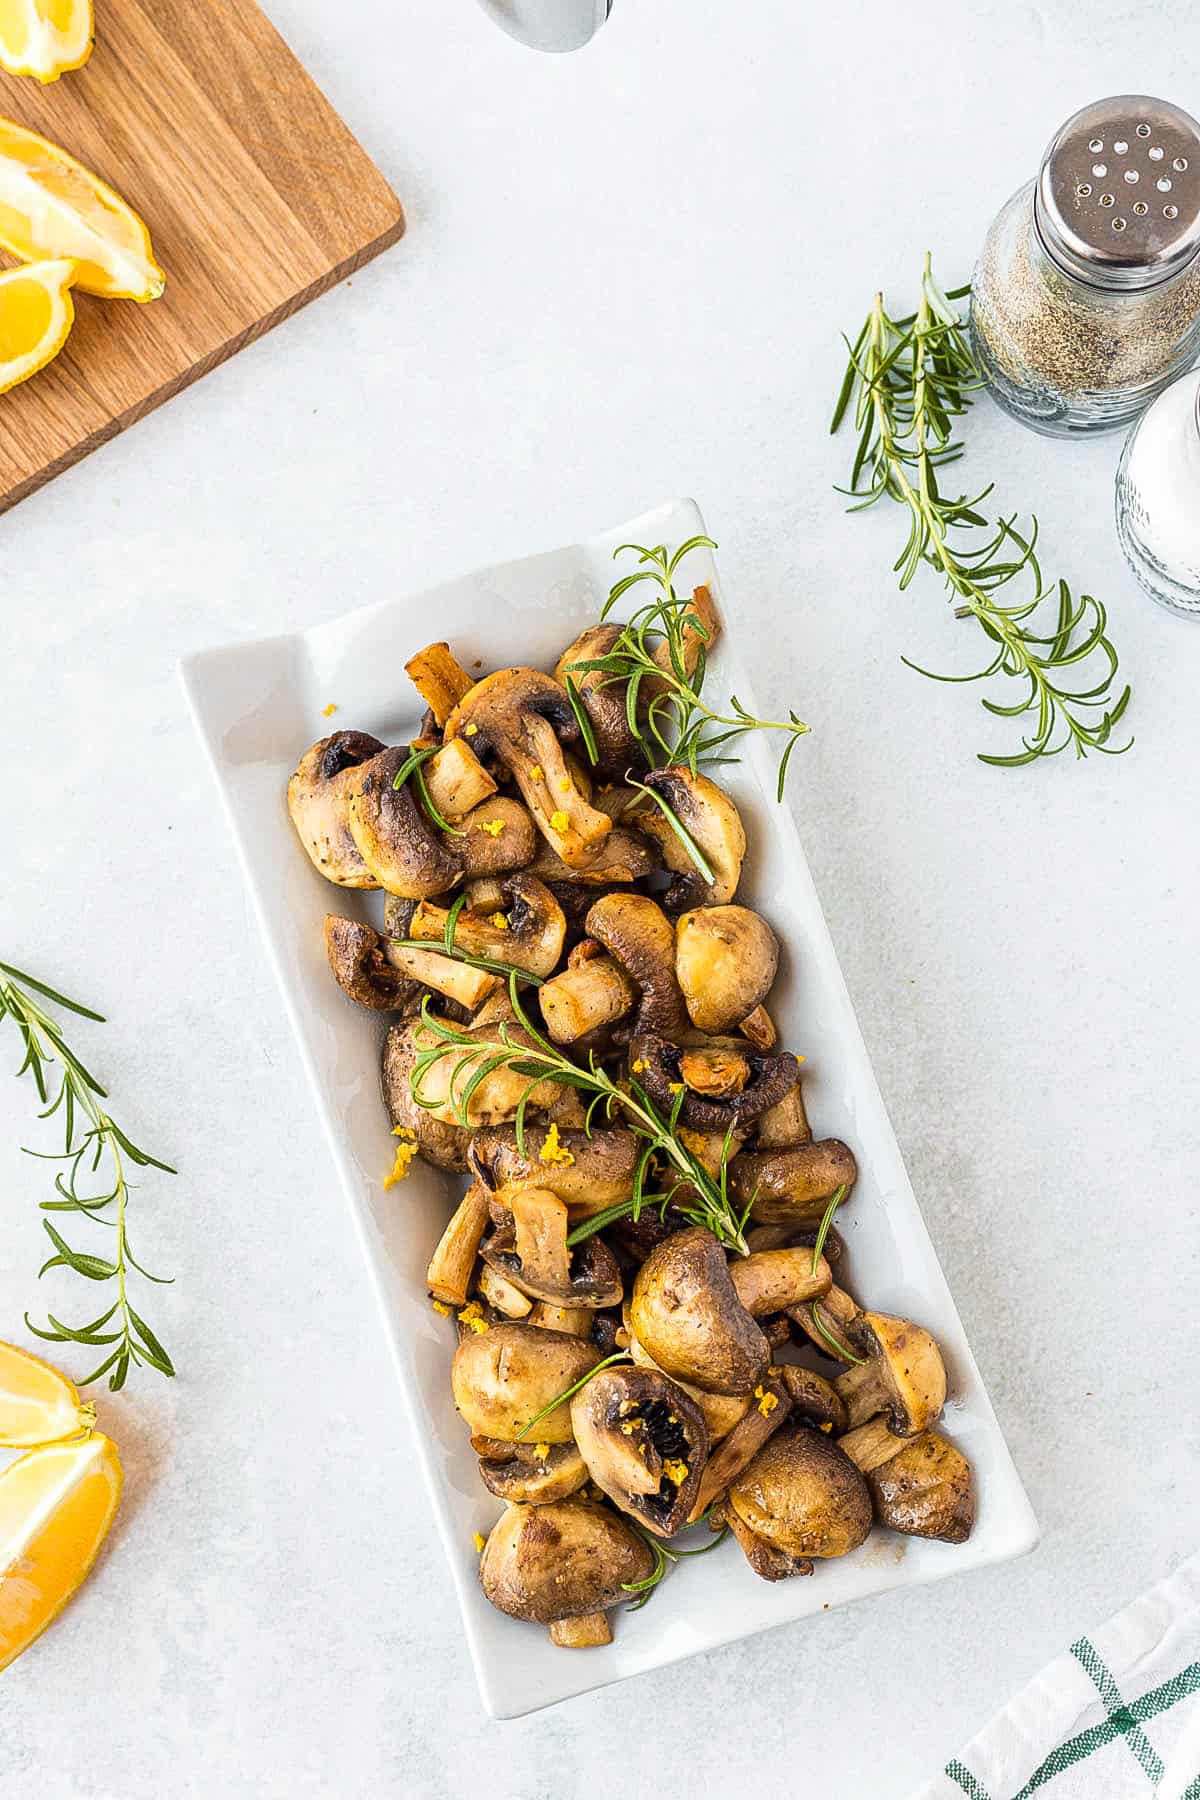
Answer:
(624, 278)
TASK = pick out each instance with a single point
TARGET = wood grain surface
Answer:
(257, 197)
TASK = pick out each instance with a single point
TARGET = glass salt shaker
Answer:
(1086, 298)
(1158, 498)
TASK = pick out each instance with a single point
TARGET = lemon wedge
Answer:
(36, 314)
(51, 206)
(45, 38)
(56, 1505)
(37, 1404)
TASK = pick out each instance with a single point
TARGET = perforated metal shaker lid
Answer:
(1117, 202)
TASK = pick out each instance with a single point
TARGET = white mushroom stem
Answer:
(499, 1292)
(703, 609)
(540, 1235)
(576, 1321)
(770, 1281)
(771, 1407)
(448, 1276)
(457, 980)
(583, 1633)
(784, 1125)
(871, 1445)
(439, 678)
(582, 999)
(573, 828)
(456, 780)
(758, 1028)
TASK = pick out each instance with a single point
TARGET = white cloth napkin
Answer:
(1116, 1718)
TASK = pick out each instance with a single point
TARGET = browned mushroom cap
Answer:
(712, 821)
(804, 1495)
(921, 1486)
(767, 1560)
(623, 857)
(530, 1474)
(359, 961)
(814, 1399)
(524, 717)
(686, 1312)
(792, 1185)
(497, 835)
(902, 1374)
(603, 698)
(546, 1563)
(638, 935)
(524, 928)
(318, 798)
(599, 1173)
(644, 1443)
(665, 1068)
(438, 1141)
(586, 1277)
(404, 851)
(504, 1376)
(721, 1412)
(725, 961)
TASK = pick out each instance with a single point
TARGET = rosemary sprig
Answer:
(909, 379)
(90, 1137)
(700, 1196)
(669, 719)
(835, 1201)
(665, 1559)
(452, 950)
(835, 1345)
(695, 855)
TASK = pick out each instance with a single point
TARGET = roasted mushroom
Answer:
(638, 935)
(504, 1376)
(725, 962)
(714, 825)
(448, 1088)
(603, 699)
(764, 1080)
(592, 991)
(532, 1253)
(902, 1374)
(524, 929)
(721, 1411)
(685, 1310)
(530, 1474)
(438, 1141)
(761, 1420)
(590, 1173)
(456, 781)
(624, 857)
(769, 1281)
(644, 1442)
(813, 1399)
(561, 1565)
(363, 969)
(318, 799)
(452, 1264)
(524, 718)
(402, 848)
(802, 1496)
(794, 1185)
(921, 1486)
(439, 678)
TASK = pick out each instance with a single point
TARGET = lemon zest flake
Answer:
(553, 1152)
(676, 1470)
(327, 712)
(470, 730)
(541, 1451)
(479, 1542)
(499, 920)
(559, 821)
(439, 1306)
(406, 1149)
(639, 1065)
(472, 1317)
(537, 773)
(493, 827)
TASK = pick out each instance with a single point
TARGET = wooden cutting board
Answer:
(256, 194)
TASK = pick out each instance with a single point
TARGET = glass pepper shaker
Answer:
(1158, 498)
(1086, 298)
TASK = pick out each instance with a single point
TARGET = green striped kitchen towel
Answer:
(1116, 1718)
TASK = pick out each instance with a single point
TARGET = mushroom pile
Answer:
(653, 1327)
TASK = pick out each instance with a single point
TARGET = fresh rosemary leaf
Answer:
(827, 1220)
(695, 854)
(621, 1356)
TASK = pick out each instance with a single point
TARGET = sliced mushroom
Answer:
(498, 835)
(318, 799)
(645, 1444)
(623, 857)
(803, 1495)
(520, 715)
(526, 930)
(439, 1142)
(359, 959)
(921, 1486)
(761, 1420)
(504, 1376)
(592, 993)
(786, 1125)
(602, 698)
(468, 987)
(725, 962)
(402, 848)
(452, 1264)
(767, 1560)
(768, 1281)
(502, 1295)
(827, 1321)
(547, 1270)
(664, 1071)
(577, 1321)
(759, 1028)
(569, 1560)
(638, 935)
(456, 780)
(902, 1375)
(589, 1173)
(792, 1186)
(721, 1411)
(533, 1475)
(713, 823)
(439, 678)
(685, 1310)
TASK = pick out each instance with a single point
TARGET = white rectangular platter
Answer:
(258, 706)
